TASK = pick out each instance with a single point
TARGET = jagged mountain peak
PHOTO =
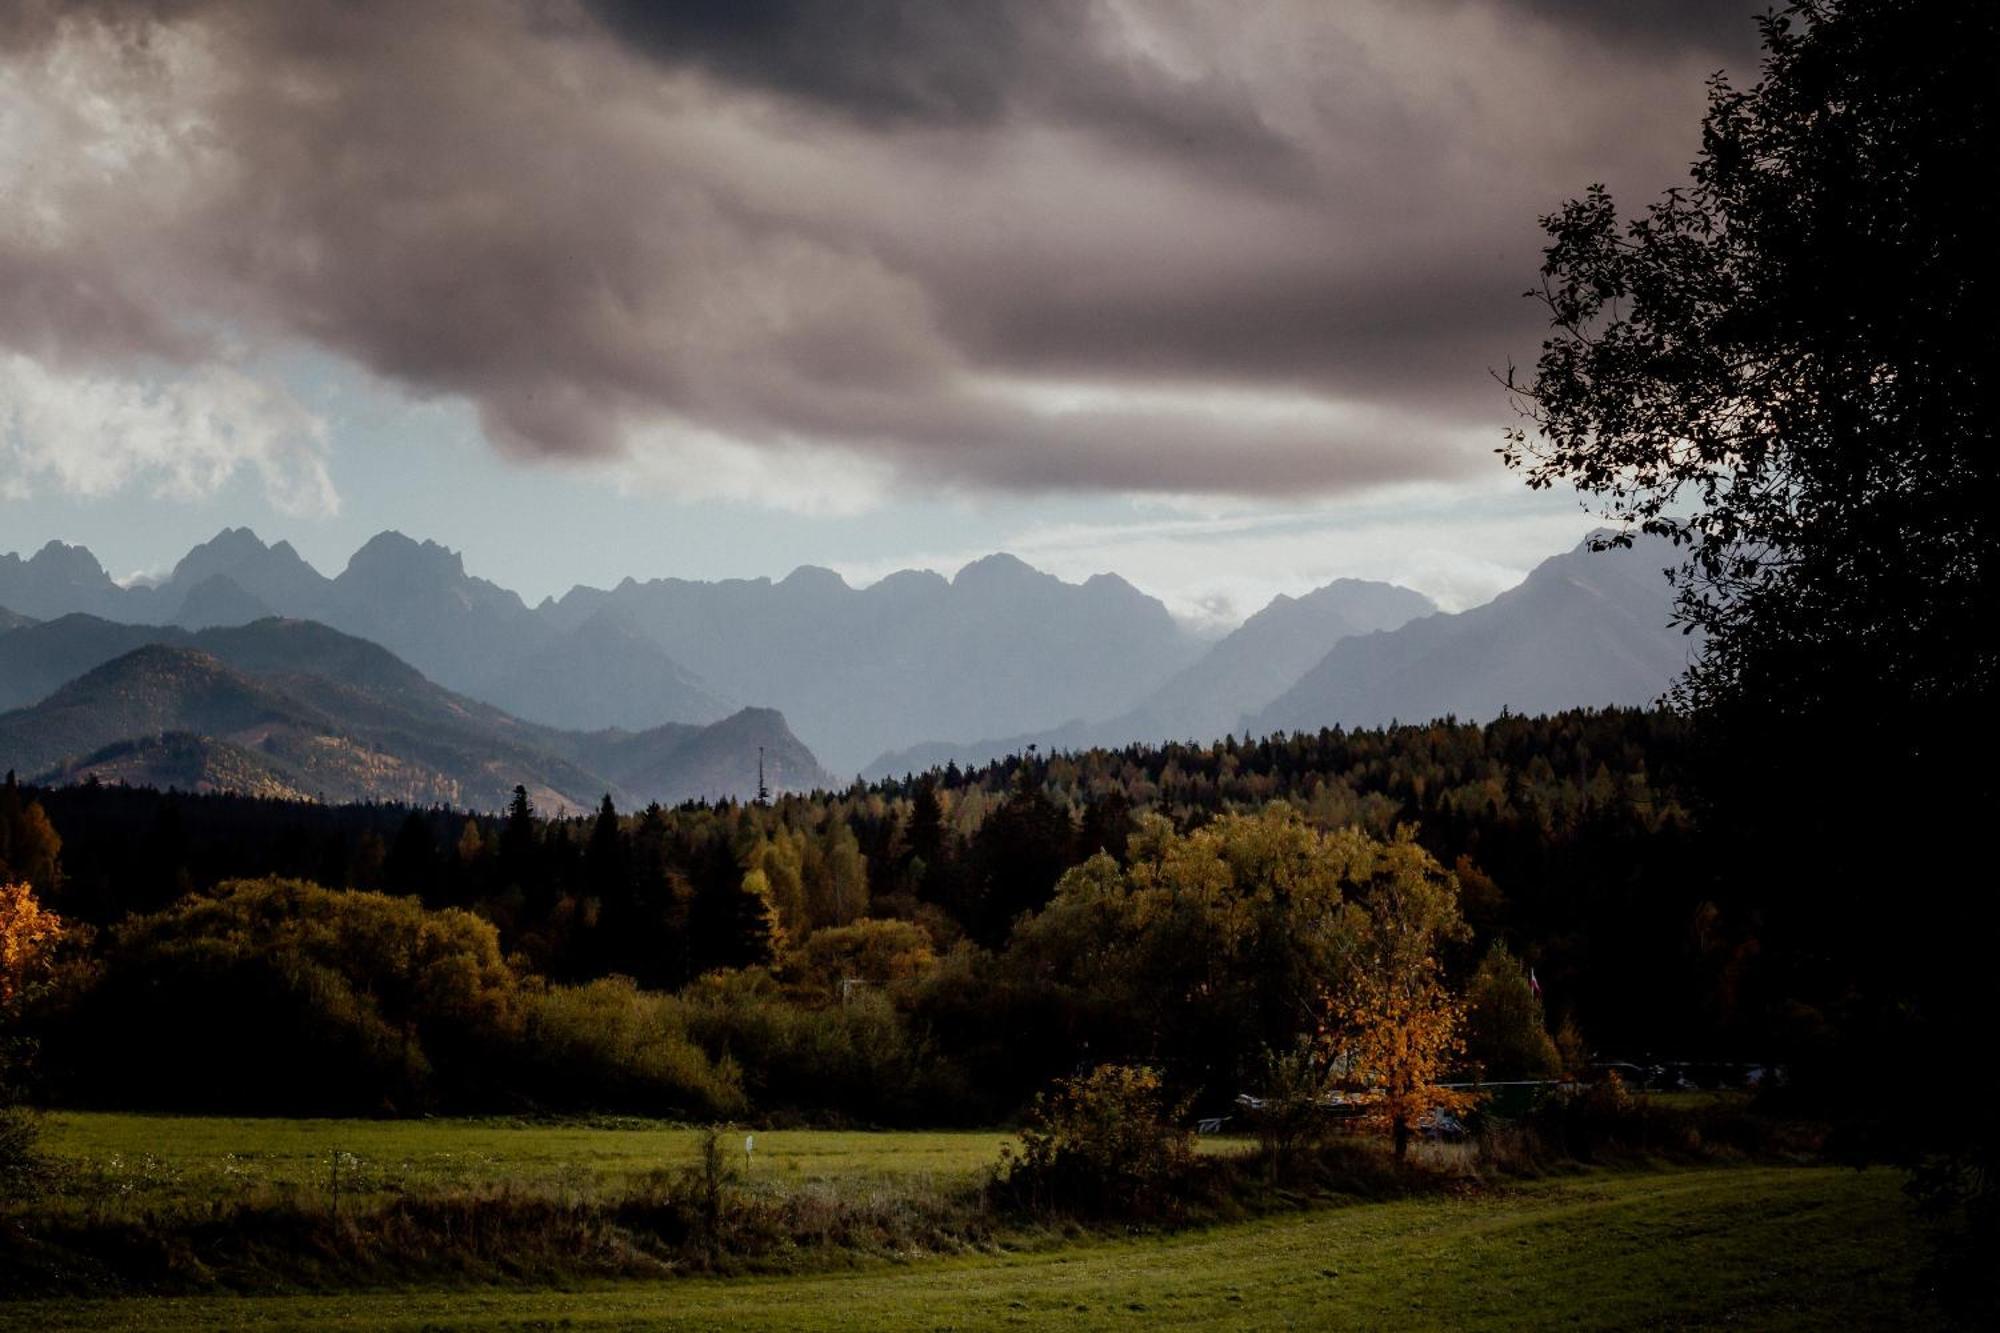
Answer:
(1000, 569)
(815, 579)
(75, 564)
(227, 546)
(391, 553)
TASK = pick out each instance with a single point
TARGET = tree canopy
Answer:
(1788, 366)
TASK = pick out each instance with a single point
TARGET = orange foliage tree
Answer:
(28, 936)
(1392, 1029)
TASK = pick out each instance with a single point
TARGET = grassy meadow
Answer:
(1756, 1246)
(169, 1159)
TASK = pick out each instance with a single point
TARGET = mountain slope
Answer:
(601, 674)
(152, 689)
(1208, 698)
(219, 600)
(1000, 648)
(57, 580)
(35, 660)
(1584, 628)
(1265, 655)
(183, 761)
(672, 764)
(302, 707)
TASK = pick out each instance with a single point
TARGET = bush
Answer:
(1291, 1114)
(280, 995)
(858, 1060)
(610, 1045)
(1106, 1144)
(23, 1169)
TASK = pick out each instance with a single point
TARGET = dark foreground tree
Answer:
(1789, 367)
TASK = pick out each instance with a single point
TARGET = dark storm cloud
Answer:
(1722, 26)
(1255, 249)
(880, 60)
(919, 64)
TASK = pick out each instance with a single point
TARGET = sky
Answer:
(1211, 295)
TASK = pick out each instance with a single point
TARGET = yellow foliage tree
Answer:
(1392, 1028)
(28, 936)
(1397, 1037)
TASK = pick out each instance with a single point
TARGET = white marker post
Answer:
(749, 1145)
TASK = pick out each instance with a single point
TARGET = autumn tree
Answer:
(1393, 1027)
(29, 934)
(1208, 948)
(872, 952)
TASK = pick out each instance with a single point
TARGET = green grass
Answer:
(162, 1159)
(1764, 1247)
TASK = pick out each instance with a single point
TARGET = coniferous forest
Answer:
(877, 954)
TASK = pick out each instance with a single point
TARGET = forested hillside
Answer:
(1568, 839)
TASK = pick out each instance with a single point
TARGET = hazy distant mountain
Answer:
(414, 598)
(1000, 648)
(219, 600)
(10, 620)
(275, 578)
(601, 674)
(673, 763)
(57, 580)
(1210, 697)
(1264, 656)
(1584, 628)
(36, 659)
(317, 711)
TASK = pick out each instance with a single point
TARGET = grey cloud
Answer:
(602, 222)
(879, 60)
(895, 64)
(1721, 26)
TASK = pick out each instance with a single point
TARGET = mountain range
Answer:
(1000, 647)
(450, 683)
(284, 707)
(1585, 628)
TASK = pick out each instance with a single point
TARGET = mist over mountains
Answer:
(405, 677)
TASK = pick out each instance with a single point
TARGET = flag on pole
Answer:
(1534, 984)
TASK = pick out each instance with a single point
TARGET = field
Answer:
(166, 1159)
(1767, 1247)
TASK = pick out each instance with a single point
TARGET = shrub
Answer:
(1107, 1143)
(282, 995)
(610, 1045)
(858, 1060)
(1291, 1112)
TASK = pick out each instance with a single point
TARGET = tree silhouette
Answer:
(1789, 367)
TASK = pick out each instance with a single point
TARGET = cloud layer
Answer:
(1263, 250)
